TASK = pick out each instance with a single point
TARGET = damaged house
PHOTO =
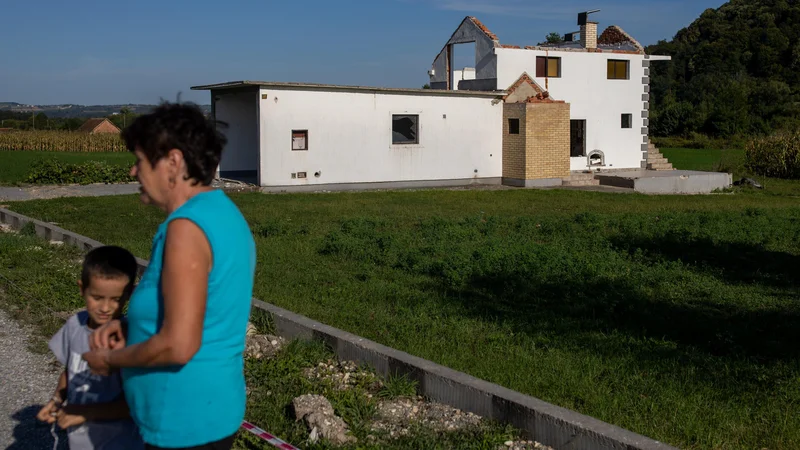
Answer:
(522, 116)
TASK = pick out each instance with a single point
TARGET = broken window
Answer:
(299, 139)
(547, 66)
(627, 120)
(617, 69)
(513, 126)
(405, 129)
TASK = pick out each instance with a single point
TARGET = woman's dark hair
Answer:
(182, 126)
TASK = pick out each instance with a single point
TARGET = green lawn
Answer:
(15, 166)
(673, 316)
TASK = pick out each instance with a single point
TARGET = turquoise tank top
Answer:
(204, 400)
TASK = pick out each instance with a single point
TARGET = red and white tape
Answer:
(267, 437)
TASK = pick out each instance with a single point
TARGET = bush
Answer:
(776, 156)
(56, 172)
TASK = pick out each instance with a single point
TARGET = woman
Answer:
(182, 363)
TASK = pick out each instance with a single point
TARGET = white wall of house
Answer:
(467, 73)
(240, 111)
(350, 137)
(593, 97)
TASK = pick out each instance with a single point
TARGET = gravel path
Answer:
(42, 192)
(27, 380)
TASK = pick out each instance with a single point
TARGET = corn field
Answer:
(60, 141)
(776, 156)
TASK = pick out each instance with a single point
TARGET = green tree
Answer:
(554, 38)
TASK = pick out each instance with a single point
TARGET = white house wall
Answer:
(239, 110)
(601, 102)
(350, 138)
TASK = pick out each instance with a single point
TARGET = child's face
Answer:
(105, 298)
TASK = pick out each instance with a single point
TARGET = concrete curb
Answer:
(551, 425)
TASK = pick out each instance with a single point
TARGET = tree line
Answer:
(735, 71)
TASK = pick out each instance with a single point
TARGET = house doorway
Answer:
(577, 138)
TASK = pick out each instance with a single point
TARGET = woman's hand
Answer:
(109, 336)
(66, 420)
(98, 361)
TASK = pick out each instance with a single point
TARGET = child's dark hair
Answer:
(109, 262)
(181, 126)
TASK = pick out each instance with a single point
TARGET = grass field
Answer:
(15, 166)
(673, 316)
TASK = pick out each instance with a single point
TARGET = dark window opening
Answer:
(577, 138)
(617, 69)
(513, 126)
(548, 67)
(405, 129)
(299, 139)
(627, 120)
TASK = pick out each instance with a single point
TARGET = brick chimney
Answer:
(589, 35)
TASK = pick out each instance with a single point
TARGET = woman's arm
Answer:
(184, 282)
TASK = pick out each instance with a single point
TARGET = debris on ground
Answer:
(6, 228)
(318, 415)
(261, 346)
(396, 417)
(748, 181)
(523, 445)
(344, 375)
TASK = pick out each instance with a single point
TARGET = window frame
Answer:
(516, 119)
(547, 61)
(305, 133)
(628, 116)
(395, 116)
(615, 76)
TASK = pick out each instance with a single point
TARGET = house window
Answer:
(627, 120)
(299, 139)
(405, 129)
(513, 126)
(548, 67)
(618, 69)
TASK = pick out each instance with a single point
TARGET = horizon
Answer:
(97, 54)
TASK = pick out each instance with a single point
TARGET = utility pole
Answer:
(33, 119)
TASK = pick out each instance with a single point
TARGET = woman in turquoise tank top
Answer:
(182, 359)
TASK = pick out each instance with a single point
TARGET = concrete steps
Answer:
(580, 179)
(655, 160)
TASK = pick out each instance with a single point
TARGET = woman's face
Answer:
(154, 180)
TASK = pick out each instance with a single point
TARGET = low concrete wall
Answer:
(668, 181)
(551, 425)
(337, 187)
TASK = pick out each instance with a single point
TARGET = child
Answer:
(92, 407)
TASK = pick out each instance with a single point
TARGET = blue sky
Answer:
(102, 52)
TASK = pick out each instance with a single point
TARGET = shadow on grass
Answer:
(733, 262)
(576, 311)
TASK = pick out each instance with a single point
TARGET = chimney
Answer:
(589, 35)
(588, 30)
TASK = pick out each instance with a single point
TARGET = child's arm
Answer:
(46, 413)
(96, 412)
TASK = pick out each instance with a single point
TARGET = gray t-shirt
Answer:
(85, 387)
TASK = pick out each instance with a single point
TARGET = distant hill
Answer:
(734, 71)
(79, 111)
